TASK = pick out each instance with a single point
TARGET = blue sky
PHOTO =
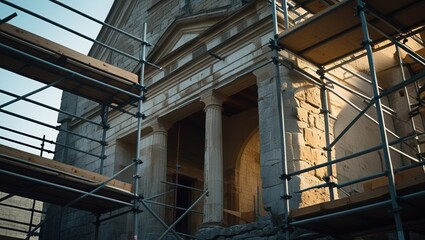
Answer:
(19, 85)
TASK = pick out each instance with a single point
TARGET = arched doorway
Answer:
(249, 180)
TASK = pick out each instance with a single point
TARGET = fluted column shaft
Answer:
(213, 164)
(154, 174)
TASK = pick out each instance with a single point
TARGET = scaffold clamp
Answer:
(138, 161)
(360, 7)
(285, 176)
(368, 42)
(321, 72)
(140, 197)
(286, 197)
(329, 182)
(273, 46)
(275, 60)
(141, 115)
(137, 176)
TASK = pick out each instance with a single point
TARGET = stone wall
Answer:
(20, 217)
(170, 90)
(190, 71)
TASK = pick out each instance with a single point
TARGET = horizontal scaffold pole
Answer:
(100, 22)
(70, 73)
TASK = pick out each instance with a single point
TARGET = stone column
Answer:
(213, 162)
(154, 173)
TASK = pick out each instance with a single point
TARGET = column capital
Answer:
(160, 125)
(212, 98)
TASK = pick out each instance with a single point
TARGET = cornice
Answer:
(117, 17)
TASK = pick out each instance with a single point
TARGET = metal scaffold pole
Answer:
(139, 137)
(406, 94)
(285, 13)
(325, 111)
(105, 127)
(380, 116)
(281, 123)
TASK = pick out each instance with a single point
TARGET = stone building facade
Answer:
(211, 122)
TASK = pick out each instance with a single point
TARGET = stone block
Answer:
(314, 196)
(311, 118)
(270, 155)
(299, 94)
(298, 139)
(313, 138)
(320, 158)
(301, 164)
(313, 96)
(319, 122)
(309, 107)
(270, 174)
(307, 154)
(272, 198)
(302, 114)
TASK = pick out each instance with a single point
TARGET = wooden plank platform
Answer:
(411, 210)
(336, 33)
(19, 162)
(56, 54)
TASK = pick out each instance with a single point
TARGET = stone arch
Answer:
(361, 136)
(248, 179)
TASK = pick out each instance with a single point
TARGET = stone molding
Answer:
(212, 98)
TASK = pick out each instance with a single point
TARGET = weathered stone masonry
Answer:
(211, 110)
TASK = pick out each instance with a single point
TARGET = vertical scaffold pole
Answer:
(32, 215)
(406, 94)
(105, 126)
(285, 13)
(384, 138)
(97, 225)
(325, 111)
(138, 160)
(281, 122)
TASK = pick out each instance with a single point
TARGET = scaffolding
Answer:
(112, 88)
(117, 90)
(325, 40)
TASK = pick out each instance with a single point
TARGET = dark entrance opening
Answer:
(183, 200)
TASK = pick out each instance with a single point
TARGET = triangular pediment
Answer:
(182, 31)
